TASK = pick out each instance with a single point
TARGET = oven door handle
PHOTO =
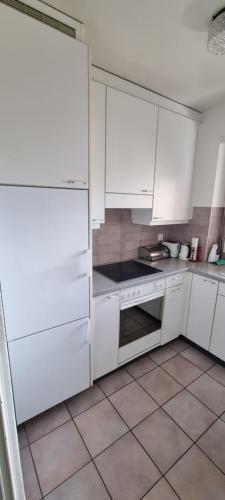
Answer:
(141, 300)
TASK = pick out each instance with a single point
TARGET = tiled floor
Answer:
(154, 430)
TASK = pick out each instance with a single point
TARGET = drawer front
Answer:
(177, 279)
(221, 290)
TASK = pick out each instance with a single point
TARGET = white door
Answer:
(201, 310)
(217, 345)
(43, 258)
(131, 126)
(49, 367)
(173, 313)
(98, 97)
(106, 317)
(43, 103)
(176, 145)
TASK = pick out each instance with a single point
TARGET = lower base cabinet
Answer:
(217, 344)
(49, 367)
(201, 310)
(173, 313)
(106, 317)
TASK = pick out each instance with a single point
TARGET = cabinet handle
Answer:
(145, 191)
(155, 218)
(72, 181)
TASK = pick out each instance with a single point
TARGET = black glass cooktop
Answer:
(122, 271)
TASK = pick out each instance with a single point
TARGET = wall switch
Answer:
(160, 237)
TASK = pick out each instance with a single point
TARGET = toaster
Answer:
(153, 252)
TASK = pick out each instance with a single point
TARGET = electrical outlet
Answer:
(160, 237)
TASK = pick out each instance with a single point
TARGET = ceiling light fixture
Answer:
(216, 37)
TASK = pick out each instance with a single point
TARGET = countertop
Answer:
(169, 267)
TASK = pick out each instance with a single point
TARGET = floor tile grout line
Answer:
(91, 406)
(32, 458)
(211, 376)
(209, 458)
(92, 459)
(30, 443)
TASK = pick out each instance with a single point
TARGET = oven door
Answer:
(140, 325)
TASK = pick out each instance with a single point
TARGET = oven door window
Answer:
(140, 320)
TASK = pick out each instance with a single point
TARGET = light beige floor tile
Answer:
(84, 485)
(160, 385)
(161, 491)
(58, 455)
(133, 404)
(213, 443)
(115, 381)
(140, 367)
(199, 359)
(46, 422)
(85, 400)
(179, 345)
(210, 392)
(163, 440)
(195, 477)
(182, 370)
(100, 426)
(162, 354)
(126, 469)
(218, 372)
(190, 414)
(31, 485)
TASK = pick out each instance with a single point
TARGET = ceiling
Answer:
(160, 44)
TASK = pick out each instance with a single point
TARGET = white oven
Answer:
(141, 310)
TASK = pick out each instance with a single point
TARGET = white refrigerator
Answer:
(45, 286)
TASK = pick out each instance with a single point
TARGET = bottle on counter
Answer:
(194, 249)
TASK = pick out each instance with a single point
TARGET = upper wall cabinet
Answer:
(131, 126)
(44, 104)
(175, 158)
(98, 97)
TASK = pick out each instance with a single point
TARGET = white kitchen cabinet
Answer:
(131, 126)
(175, 158)
(217, 344)
(44, 258)
(173, 313)
(49, 367)
(106, 313)
(44, 104)
(201, 310)
(98, 101)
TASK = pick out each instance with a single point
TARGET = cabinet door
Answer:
(98, 96)
(201, 310)
(49, 367)
(106, 333)
(217, 345)
(176, 145)
(44, 104)
(130, 143)
(43, 258)
(173, 313)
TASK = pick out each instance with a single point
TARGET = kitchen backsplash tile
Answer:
(119, 239)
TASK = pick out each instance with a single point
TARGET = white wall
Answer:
(209, 178)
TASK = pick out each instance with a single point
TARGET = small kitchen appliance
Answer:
(153, 252)
(184, 251)
(173, 246)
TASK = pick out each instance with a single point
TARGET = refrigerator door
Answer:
(43, 258)
(49, 367)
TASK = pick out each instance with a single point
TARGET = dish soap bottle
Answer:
(213, 255)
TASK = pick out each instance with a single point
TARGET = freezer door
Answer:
(43, 258)
(49, 367)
